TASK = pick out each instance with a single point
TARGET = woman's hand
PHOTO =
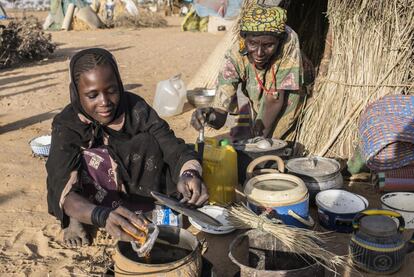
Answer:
(125, 225)
(208, 116)
(192, 187)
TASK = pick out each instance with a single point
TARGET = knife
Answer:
(185, 210)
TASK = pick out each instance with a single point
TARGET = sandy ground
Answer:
(32, 94)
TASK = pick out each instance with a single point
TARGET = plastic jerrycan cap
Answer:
(224, 142)
(175, 81)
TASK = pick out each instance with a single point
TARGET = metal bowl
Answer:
(201, 98)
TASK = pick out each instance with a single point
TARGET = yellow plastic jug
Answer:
(220, 171)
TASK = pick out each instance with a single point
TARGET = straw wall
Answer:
(372, 55)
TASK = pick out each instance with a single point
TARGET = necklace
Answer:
(270, 91)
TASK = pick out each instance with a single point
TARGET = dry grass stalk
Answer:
(297, 240)
(372, 44)
(24, 40)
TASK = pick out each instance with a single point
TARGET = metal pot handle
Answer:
(309, 222)
(358, 217)
(255, 162)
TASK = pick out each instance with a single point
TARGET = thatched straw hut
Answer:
(362, 50)
(368, 54)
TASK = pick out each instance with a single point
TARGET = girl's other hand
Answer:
(193, 189)
(125, 225)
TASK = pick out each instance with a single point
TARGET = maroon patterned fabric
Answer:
(99, 185)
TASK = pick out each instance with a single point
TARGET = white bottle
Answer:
(170, 96)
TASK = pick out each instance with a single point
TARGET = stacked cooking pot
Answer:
(277, 195)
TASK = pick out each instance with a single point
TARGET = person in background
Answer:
(267, 67)
(109, 150)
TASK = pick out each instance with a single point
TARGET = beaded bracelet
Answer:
(191, 173)
(99, 216)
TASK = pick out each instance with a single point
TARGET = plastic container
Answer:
(163, 215)
(220, 171)
(41, 145)
(170, 96)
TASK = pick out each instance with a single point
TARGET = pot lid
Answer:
(275, 189)
(313, 166)
(185, 210)
(378, 225)
(259, 144)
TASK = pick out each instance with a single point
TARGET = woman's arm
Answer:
(116, 222)
(272, 111)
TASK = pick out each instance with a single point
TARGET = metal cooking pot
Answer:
(278, 195)
(318, 173)
(250, 149)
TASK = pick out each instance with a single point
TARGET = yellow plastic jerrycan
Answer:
(220, 171)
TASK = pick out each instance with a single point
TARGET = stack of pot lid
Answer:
(314, 167)
(275, 190)
(260, 144)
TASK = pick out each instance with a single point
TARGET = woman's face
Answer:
(260, 49)
(99, 93)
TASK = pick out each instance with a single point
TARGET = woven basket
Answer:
(386, 130)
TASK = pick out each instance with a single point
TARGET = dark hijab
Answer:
(144, 134)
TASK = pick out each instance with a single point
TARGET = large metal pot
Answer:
(176, 252)
(260, 254)
(250, 149)
(318, 173)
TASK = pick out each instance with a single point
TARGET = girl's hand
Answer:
(192, 187)
(125, 225)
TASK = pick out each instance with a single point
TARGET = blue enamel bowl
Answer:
(337, 208)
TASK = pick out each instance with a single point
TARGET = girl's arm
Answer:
(115, 222)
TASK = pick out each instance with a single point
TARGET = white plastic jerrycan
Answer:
(170, 96)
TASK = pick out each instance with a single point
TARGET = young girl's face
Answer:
(99, 93)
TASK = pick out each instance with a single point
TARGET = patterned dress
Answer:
(237, 70)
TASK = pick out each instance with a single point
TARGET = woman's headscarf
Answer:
(70, 135)
(260, 19)
(74, 94)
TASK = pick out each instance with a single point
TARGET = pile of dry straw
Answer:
(23, 40)
(297, 240)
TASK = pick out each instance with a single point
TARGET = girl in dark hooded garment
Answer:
(109, 150)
